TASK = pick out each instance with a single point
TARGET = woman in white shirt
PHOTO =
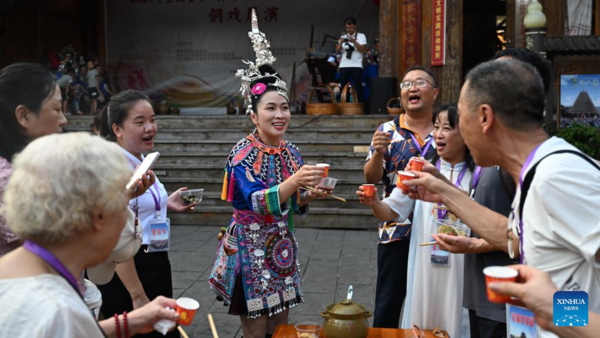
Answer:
(129, 121)
(435, 279)
(76, 211)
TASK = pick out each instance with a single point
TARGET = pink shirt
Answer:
(7, 237)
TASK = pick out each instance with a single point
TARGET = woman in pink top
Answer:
(30, 107)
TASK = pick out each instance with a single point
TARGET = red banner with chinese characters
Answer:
(438, 33)
(411, 34)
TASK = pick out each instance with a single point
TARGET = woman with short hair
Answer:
(70, 215)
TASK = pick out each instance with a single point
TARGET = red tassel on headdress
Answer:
(230, 193)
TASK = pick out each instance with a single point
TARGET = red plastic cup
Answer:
(324, 166)
(368, 189)
(498, 274)
(417, 163)
(187, 307)
(404, 176)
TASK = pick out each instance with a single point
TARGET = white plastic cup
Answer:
(324, 166)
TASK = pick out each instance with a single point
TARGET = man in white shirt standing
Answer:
(556, 226)
(353, 45)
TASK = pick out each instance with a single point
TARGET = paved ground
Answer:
(330, 260)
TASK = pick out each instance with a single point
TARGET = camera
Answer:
(345, 40)
(349, 50)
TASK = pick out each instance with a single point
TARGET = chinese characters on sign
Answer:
(220, 15)
(269, 14)
(411, 34)
(186, 52)
(159, 232)
(522, 319)
(438, 29)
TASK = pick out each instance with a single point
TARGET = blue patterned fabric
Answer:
(260, 241)
(399, 152)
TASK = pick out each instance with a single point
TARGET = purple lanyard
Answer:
(476, 176)
(422, 151)
(49, 258)
(523, 170)
(443, 213)
(158, 199)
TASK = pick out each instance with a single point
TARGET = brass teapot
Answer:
(346, 319)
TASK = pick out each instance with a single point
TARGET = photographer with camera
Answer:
(353, 45)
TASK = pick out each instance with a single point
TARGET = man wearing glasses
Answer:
(393, 144)
(554, 224)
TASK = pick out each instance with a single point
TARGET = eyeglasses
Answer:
(419, 83)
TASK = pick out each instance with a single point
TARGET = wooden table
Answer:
(288, 331)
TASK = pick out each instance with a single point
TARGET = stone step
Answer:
(356, 135)
(194, 149)
(317, 218)
(344, 186)
(225, 146)
(211, 171)
(306, 134)
(219, 158)
(236, 121)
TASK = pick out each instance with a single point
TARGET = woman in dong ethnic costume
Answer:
(256, 271)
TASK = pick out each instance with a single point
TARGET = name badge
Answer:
(520, 322)
(439, 257)
(160, 235)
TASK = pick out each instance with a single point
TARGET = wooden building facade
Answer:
(32, 30)
(408, 36)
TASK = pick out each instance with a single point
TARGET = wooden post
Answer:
(426, 47)
(449, 76)
(555, 16)
(451, 79)
(510, 23)
(411, 29)
(399, 59)
(101, 36)
(426, 37)
(387, 38)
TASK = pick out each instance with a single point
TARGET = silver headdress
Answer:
(263, 57)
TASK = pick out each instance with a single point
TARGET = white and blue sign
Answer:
(570, 308)
(520, 322)
(160, 235)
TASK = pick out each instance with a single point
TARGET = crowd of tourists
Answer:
(69, 226)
